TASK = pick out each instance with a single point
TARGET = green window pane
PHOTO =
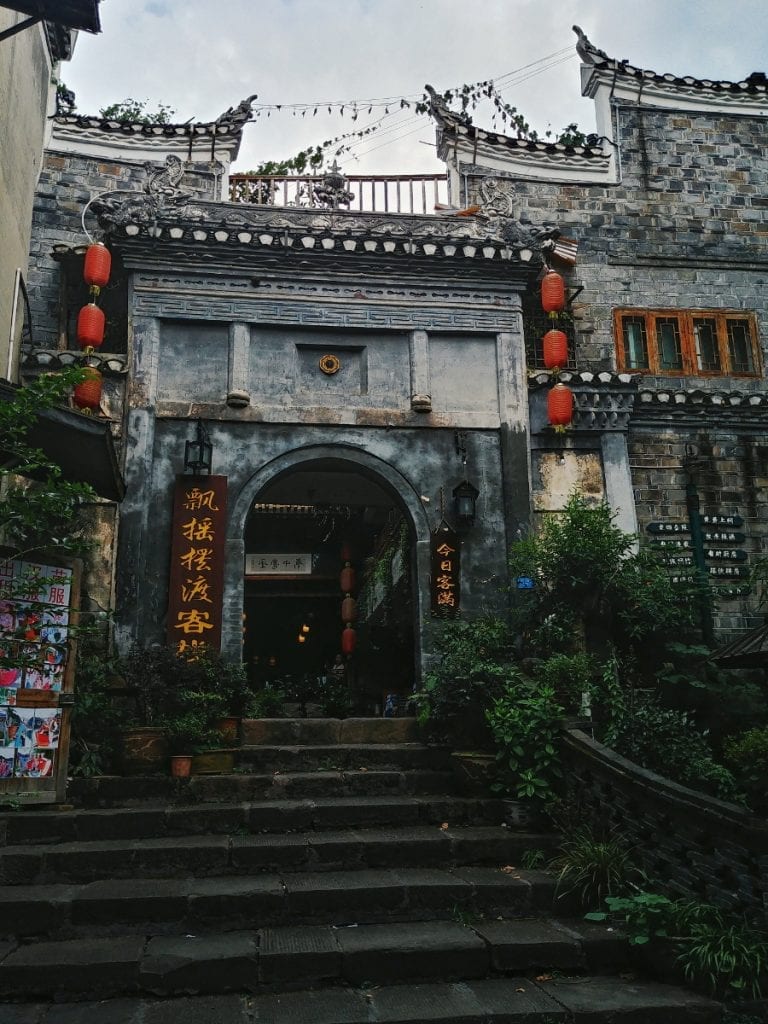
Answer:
(635, 343)
(668, 343)
(707, 352)
(740, 347)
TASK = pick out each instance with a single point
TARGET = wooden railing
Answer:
(383, 193)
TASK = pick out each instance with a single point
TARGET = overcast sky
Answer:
(203, 56)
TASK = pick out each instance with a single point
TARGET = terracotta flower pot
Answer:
(181, 766)
(229, 730)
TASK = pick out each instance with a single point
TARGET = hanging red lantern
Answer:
(560, 406)
(555, 350)
(98, 263)
(90, 326)
(348, 609)
(348, 640)
(346, 552)
(552, 293)
(87, 394)
(347, 579)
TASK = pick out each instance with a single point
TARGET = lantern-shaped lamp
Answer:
(90, 326)
(465, 503)
(552, 293)
(348, 609)
(560, 407)
(98, 263)
(346, 552)
(87, 394)
(348, 639)
(198, 454)
(347, 579)
(555, 350)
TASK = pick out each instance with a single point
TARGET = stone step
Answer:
(323, 731)
(147, 790)
(40, 826)
(280, 958)
(194, 905)
(342, 756)
(442, 845)
(514, 1000)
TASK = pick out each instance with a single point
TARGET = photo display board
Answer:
(37, 623)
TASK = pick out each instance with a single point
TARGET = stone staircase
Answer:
(335, 878)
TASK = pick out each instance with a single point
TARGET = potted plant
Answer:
(190, 725)
(142, 740)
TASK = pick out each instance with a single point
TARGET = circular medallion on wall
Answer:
(330, 364)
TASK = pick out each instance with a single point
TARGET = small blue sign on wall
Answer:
(524, 583)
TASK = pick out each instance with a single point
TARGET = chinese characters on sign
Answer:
(197, 563)
(719, 535)
(280, 563)
(446, 578)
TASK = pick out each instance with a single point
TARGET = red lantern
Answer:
(348, 640)
(347, 579)
(348, 609)
(552, 293)
(98, 263)
(555, 350)
(560, 406)
(87, 394)
(90, 326)
(346, 552)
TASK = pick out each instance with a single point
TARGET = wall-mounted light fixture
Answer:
(198, 454)
(465, 503)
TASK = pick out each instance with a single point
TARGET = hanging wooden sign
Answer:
(197, 563)
(445, 584)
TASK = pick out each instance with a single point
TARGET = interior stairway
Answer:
(336, 878)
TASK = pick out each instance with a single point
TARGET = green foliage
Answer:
(266, 703)
(669, 742)
(645, 915)
(727, 959)
(42, 511)
(525, 723)
(137, 111)
(96, 717)
(473, 668)
(573, 677)
(593, 589)
(189, 720)
(593, 865)
(747, 757)
(334, 697)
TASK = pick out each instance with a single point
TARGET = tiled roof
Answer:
(755, 84)
(230, 123)
(60, 359)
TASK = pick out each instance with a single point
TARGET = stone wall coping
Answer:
(59, 359)
(746, 827)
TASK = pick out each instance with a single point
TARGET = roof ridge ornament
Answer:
(161, 196)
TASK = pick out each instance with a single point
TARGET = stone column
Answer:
(421, 392)
(618, 480)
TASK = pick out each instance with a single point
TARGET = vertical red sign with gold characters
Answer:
(197, 563)
(446, 573)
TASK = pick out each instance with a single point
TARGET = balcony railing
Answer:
(384, 193)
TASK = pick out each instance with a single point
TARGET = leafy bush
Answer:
(593, 865)
(525, 723)
(669, 742)
(747, 756)
(571, 676)
(475, 663)
(96, 717)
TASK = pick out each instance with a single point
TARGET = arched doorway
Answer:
(322, 639)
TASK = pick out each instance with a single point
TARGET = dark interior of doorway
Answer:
(293, 619)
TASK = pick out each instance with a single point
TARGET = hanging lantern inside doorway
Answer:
(346, 552)
(348, 609)
(87, 394)
(552, 293)
(560, 407)
(348, 639)
(347, 579)
(90, 326)
(97, 266)
(555, 350)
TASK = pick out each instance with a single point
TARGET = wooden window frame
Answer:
(686, 319)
